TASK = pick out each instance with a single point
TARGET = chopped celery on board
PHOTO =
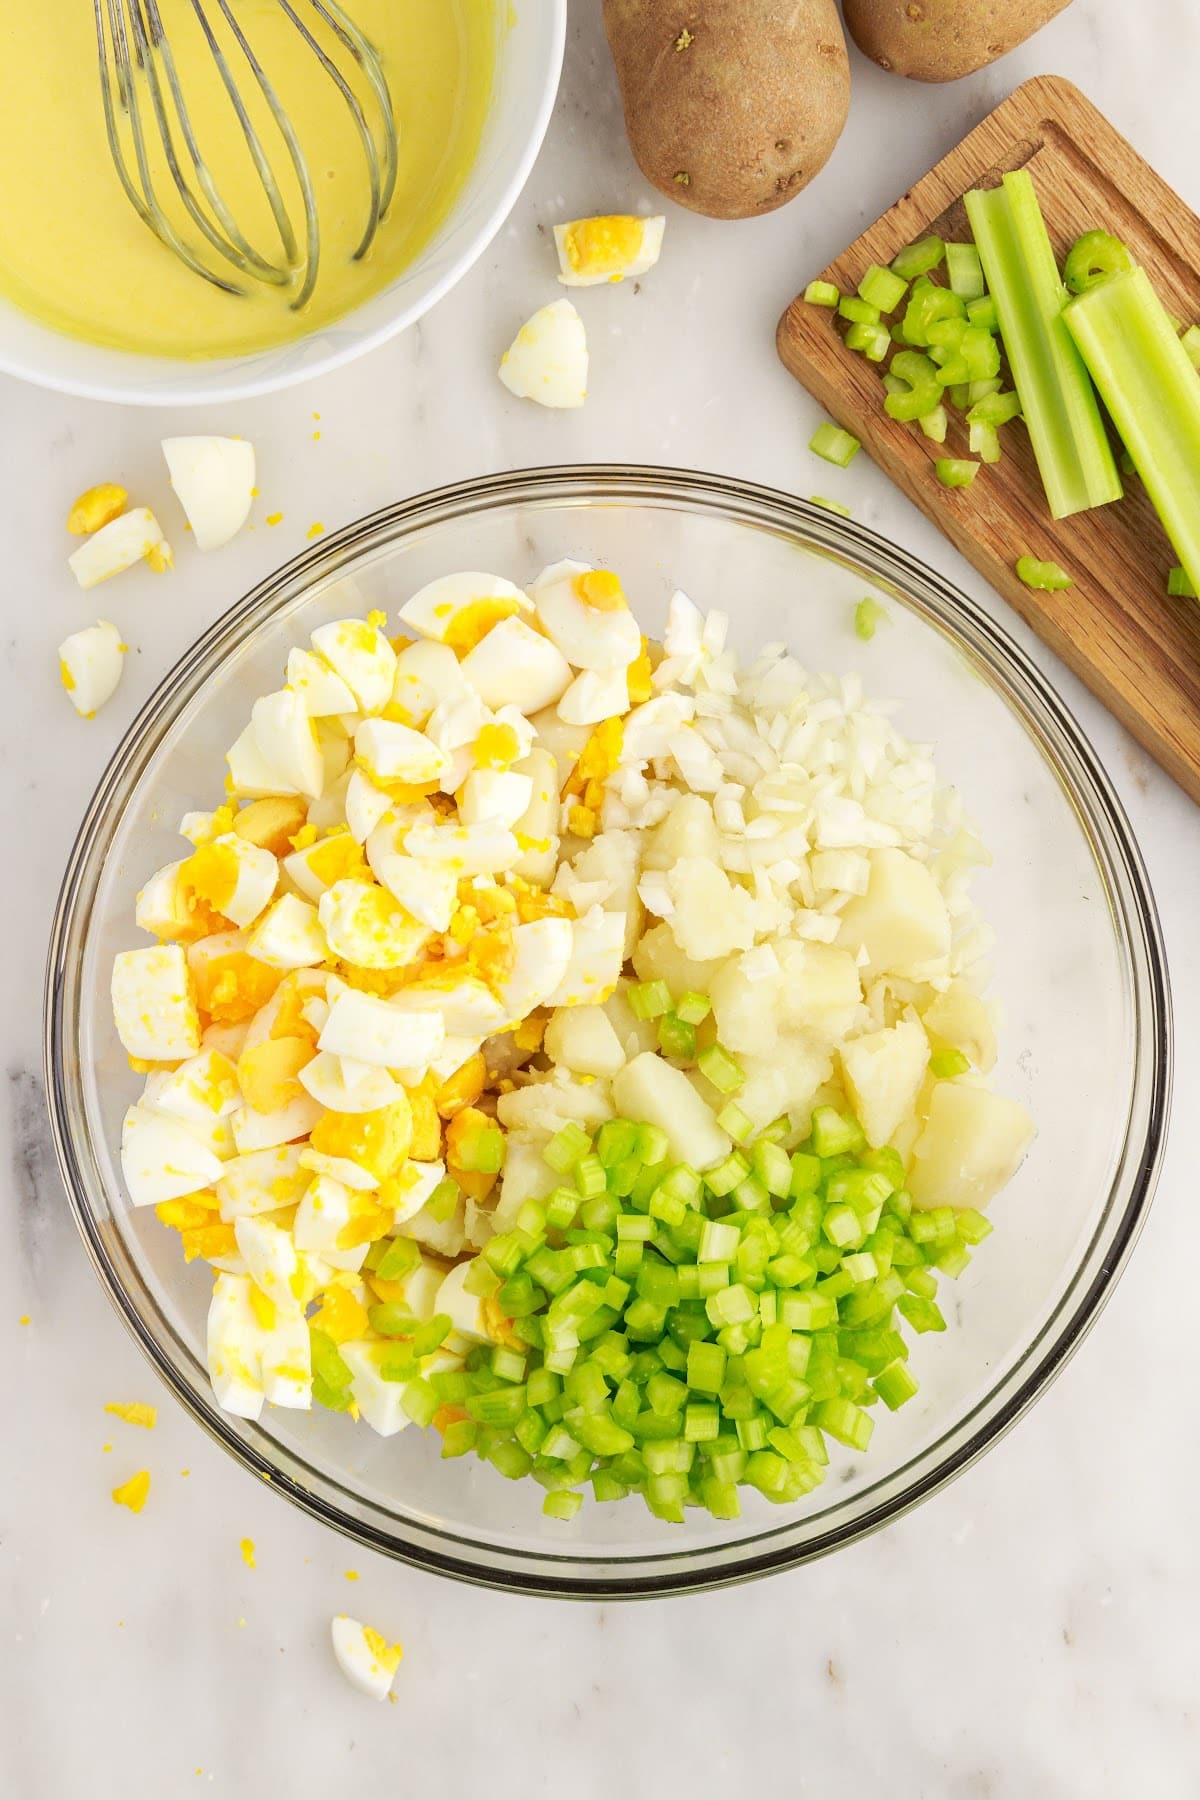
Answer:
(1047, 576)
(1057, 398)
(1153, 394)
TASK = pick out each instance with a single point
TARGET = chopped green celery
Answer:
(693, 1009)
(717, 1066)
(918, 259)
(944, 1065)
(561, 1208)
(833, 506)
(701, 1422)
(480, 1279)
(482, 1153)
(718, 1241)
(844, 1421)
(391, 1319)
(857, 311)
(935, 424)
(1044, 575)
(733, 1120)
(443, 1201)
(589, 1176)
(531, 1219)
(982, 312)
(562, 1505)
(960, 394)
(1093, 258)
(955, 471)
(720, 1498)
(676, 1037)
(808, 1311)
(706, 1364)
(649, 999)
(420, 1402)
(834, 445)
(1190, 344)
(634, 1227)
(882, 288)
(400, 1257)
(964, 271)
(924, 386)
(431, 1334)
(972, 1226)
(806, 1173)
(606, 1486)
(616, 1140)
(1057, 398)
(922, 1314)
(652, 1144)
(867, 615)
(1152, 391)
(1179, 586)
(566, 1147)
(822, 293)
(994, 408)
(772, 1165)
(834, 1133)
(929, 307)
(459, 1437)
(871, 341)
(733, 1305)
(984, 442)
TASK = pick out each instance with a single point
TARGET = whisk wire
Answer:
(143, 95)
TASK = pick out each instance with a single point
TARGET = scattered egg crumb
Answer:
(247, 1549)
(241, 1624)
(275, 518)
(24, 1319)
(351, 1574)
(316, 529)
(106, 1448)
(185, 1471)
(132, 1493)
(134, 1412)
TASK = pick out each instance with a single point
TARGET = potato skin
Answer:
(942, 40)
(731, 106)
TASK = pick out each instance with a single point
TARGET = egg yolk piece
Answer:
(472, 623)
(496, 747)
(377, 1141)
(605, 245)
(267, 1073)
(233, 988)
(210, 876)
(338, 858)
(601, 590)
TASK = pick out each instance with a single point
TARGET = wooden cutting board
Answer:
(1137, 649)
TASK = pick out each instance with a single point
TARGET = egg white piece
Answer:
(373, 1031)
(537, 830)
(367, 1661)
(226, 1038)
(480, 849)
(391, 752)
(427, 672)
(547, 361)
(358, 652)
(650, 727)
(469, 1009)
(457, 609)
(494, 796)
(330, 809)
(426, 889)
(596, 632)
(465, 1310)
(380, 1402)
(413, 1186)
(161, 909)
(289, 935)
(163, 1159)
(235, 1343)
(365, 933)
(336, 745)
(284, 1125)
(303, 870)
(323, 692)
(287, 741)
(202, 1089)
(594, 963)
(366, 806)
(270, 1258)
(214, 480)
(323, 1214)
(515, 665)
(286, 1364)
(251, 775)
(90, 665)
(261, 1181)
(325, 1078)
(456, 1050)
(607, 249)
(595, 695)
(541, 957)
(257, 874)
(117, 546)
(153, 1006)
(338, 1168)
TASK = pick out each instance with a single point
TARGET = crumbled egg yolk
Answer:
(233, 987)
(388, 1656)
(467, 625)
(338, 858)
(95, 507)
(133, 1493)
(134, 1412)
(247, 1549)
(639, 676)
(210, 876)
(603, 246)
(496, 747)
(267, 1073)
(341, 1316)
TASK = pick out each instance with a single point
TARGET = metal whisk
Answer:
(144, 100)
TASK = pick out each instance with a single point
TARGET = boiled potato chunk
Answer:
(961, 1020)
(786, 1081)
(821, 988)
(611, 858)
(883, 1071)
(971, 1146)
(549, 1102)
(688, 830)
(713, 916)
(901, 921)
(582, 1038)
(527, 1176)
(746, 1012)
(659, 958)
(652, 1092)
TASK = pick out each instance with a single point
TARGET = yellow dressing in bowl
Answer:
(74, 253)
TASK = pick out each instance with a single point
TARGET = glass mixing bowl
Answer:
(1079, 972)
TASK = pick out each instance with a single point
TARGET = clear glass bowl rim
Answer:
(572, 1574)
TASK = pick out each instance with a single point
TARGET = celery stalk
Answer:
(1153, 393)
(1057, 399)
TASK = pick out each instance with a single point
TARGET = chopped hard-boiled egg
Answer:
(97, 506)
(607, 248)
(214, 480)
(90, 665)
(365, 1658)
(131, 537)
(525, 881)
(547, 361)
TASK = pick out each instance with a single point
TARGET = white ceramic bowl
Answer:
(529, 52)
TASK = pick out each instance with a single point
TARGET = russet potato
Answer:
(942, 40)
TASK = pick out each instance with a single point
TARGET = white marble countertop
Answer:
(1031, 1633)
